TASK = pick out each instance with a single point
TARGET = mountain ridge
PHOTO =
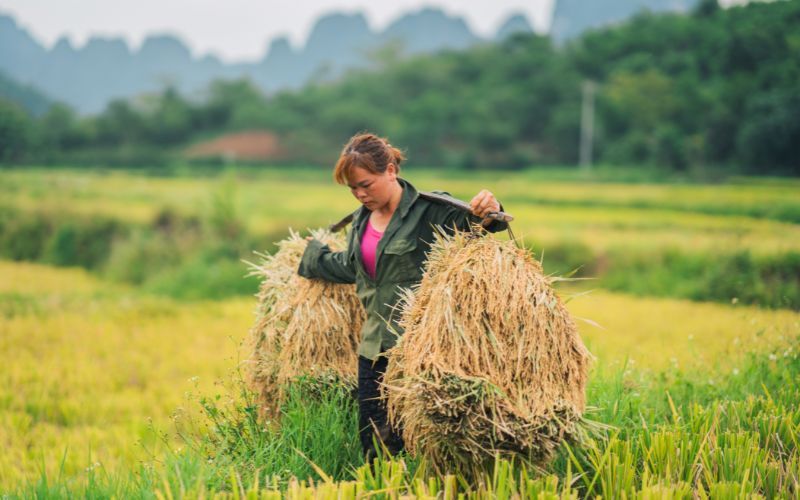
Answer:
(107, 68)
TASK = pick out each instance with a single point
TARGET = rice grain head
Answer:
(490, 362)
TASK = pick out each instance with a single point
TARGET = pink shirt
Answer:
(369, 247)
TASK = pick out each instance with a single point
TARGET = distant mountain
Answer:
(27, 97)
(20, 55)
(103, 69)
(515, 24)
(106, 68)
(573, 17)
(429, 30)
(339, 40)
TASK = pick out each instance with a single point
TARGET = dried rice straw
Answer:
(303, 327)
(490, 362)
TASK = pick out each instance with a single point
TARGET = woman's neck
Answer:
(387, 210)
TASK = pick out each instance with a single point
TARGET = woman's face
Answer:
(373, 190)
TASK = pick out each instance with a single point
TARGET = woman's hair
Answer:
(369, 152)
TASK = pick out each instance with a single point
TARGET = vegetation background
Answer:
(712, 90)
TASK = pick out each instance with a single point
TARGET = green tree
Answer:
(118, 124)
(58, 129)
(770, 134)
(15, 132)
(171, 119)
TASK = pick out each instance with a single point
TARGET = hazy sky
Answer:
(237, 29)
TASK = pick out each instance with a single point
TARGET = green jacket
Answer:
(399, 260)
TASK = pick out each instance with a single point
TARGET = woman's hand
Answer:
(309, 238)
(483, 203)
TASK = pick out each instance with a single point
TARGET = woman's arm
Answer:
(320, 262)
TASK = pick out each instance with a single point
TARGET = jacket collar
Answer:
(410, 195)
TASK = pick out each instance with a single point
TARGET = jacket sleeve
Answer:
(320, 262)
(453, 217)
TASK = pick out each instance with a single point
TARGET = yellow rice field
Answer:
(600, 216)
(97, 372)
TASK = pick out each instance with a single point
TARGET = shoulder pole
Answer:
(438, 198)
(463, 205)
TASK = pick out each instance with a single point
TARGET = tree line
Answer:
(715, 87)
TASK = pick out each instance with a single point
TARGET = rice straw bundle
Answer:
(303, 327)
(490, 362)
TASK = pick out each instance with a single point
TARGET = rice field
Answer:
(108, 389)
(748, 216)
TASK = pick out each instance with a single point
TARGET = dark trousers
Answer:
(373, 421)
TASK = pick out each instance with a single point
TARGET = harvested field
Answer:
(255, 145)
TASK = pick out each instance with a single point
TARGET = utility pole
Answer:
(587, 124)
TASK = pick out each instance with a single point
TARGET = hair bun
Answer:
(368, 151)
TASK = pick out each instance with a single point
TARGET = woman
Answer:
(391, 233)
